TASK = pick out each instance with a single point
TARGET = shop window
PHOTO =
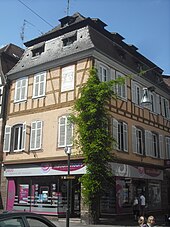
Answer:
(154, 199)
(65, 132)
(39, 85)
(36, 135)
(44, 194)
(120, 134)
(14, 139)
(137, 140)
(21, 87)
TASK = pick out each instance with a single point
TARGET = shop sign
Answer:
(68, 177)
(47, 169)
(128, 171)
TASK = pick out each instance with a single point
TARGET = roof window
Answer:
(38, 49)
(69, 39)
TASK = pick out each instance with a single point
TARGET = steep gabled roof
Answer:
(9, 56)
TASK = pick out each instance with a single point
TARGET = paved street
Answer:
(123, 223)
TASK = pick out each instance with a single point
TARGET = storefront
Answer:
(43, 188)
(130, 181)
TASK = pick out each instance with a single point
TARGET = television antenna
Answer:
(68, 7)
(22, 33)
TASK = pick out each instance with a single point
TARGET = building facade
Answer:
(43, 88)
(9, 56)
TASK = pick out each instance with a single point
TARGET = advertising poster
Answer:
(23, 193)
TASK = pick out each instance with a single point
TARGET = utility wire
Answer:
(35, 13)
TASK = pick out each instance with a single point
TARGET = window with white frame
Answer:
(104, 73)
(155, 102)
(167, 142)
(21, 87)
(154, 145)
(120, 134)
(36, 135)
(14, 139)
(136, 93)
(137, 140)
(39, 85)
(165, 108)
(65, 135)
(121, 89)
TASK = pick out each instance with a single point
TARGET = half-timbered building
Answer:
(43, 88)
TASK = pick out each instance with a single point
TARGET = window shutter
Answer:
(23, 137)
(158, 104)
(39, 85)
(134, 140)
(161, 150)
(124, 90)
(113, 74)
(112, 77)
(125, 136)
(162, 106)
(154, 102)
(133, 90)
(167, 142)
(69, 135)
(62, 123)
(42, 84)
(17, 90)
(38, 134)
(115, 132)
(167, 108)
(21, 87)
(33, 134)
(148, 143)
(36, 86)
(7, 139)
(24, 86)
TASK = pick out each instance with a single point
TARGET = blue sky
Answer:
(143, 23)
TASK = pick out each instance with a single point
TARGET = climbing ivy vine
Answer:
(93, 135)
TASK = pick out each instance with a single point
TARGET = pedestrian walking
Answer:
(136, 208)
(142, 204)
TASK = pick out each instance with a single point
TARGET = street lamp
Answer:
(68, 153)
(146, 97)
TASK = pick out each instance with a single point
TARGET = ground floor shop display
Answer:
(42, 188)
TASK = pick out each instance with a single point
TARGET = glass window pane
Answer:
(14, 222)
(36, 223)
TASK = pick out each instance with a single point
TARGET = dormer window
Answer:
(69, 39)
(38, 49)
